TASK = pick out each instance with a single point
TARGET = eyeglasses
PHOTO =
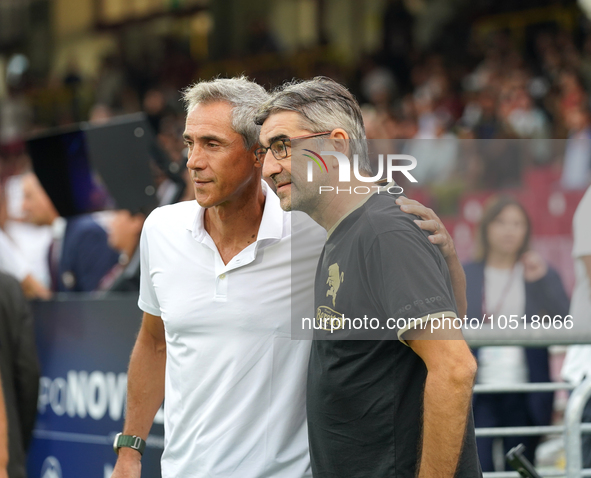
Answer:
(281, 148)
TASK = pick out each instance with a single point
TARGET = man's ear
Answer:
(340, 140)
(257, 163)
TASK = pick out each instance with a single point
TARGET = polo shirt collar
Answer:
(271, 228)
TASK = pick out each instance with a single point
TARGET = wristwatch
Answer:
(130, 441)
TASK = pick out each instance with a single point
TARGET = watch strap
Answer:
(130, 441)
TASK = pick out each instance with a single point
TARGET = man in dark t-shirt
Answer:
(381, 402)
(365, 397)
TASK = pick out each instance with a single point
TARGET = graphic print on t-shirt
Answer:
(334, 281)
(326, 317)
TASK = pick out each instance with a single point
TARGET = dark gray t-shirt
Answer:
(365, 387)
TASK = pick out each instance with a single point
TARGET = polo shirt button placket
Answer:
(221, 287)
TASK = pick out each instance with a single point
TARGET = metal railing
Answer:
(573, 427)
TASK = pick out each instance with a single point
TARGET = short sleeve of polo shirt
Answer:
(148, 301)
(412, 279)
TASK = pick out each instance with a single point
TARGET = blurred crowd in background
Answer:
(493, 87)
(475, 90)
(470, 83)
(486, 86)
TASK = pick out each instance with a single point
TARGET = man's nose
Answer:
(270, 165)
(196, 159)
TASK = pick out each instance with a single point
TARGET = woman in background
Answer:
(509, 279)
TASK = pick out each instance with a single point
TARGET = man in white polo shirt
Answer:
(217, 292)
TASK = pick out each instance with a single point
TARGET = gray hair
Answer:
(244, 95)
(323, 105)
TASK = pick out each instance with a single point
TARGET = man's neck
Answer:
(234, 225)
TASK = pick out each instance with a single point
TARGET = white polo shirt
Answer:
(235, 381)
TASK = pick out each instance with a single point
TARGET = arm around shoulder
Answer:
(441, 237)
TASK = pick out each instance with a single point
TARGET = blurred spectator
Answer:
(509, 279)
(100, 114)
(79, 256)
(572, 94)
(13, 263)
(436, 154)
(72, 81)
(72, 78)
(577, 364)
(15, 118)
(398, 42)
(576, 172)
(20, 372)
(585, 68)
(502, 162)
(525, 119)
(260, 38)
(155, 107)
(481, 115)
(111, 83)
(379, 86)
(124, 236)
(32, 241)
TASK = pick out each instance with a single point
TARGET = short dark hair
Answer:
(324, 105)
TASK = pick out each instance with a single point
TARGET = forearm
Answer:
(445, 412)
(145, 385)
(458, 281)
(145, 390)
